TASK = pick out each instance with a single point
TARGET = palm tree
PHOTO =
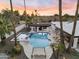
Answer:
(25, 5)
(25, 14)
(61, 24)
(74, 27)
(32, 17)
(27, 17)
(7, 13)
(59, 46)
(36, 16)
(5, 28)
(13, 22)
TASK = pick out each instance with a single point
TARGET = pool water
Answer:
(39, 35)
(39, 40)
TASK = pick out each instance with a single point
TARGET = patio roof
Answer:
(40, 24)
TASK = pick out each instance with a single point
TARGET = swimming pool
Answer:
(39, 39)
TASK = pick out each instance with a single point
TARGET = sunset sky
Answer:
(44, 7)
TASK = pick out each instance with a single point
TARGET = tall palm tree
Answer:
(25, 5)
(74, 27)
(32, 16)
(25, 16)
(13, 22)
(60, 43)
(60, 18)
(37, 16)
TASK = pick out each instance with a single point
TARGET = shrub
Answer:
(16, 50)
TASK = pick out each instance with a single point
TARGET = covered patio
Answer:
(39, 26)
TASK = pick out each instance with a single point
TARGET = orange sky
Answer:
(43, 10)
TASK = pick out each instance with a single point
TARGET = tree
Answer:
(74, 28)
(61, 41)
(17, 16)
(59, 47)
(28, 19)
(56, 15)
(12, 19)
(5, 28)
(61, 24)
(36, 16)
(16, 12)
(66, 16)
(23, 16)
(7, 13)
(32, 17)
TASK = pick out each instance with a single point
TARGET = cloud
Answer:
(69, 7)
(44, 7)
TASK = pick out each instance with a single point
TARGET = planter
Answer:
(16, 50)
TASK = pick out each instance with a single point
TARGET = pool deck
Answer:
(28, 50)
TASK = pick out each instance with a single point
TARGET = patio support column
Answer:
(42, 28)
(75, 42)
(31, 28)
(37, 29)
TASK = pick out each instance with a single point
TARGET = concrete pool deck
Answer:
(28, 50)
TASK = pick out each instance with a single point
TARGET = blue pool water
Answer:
(39, 40)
